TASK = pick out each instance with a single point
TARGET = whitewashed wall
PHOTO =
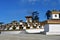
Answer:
(53, 16)
(54, 27)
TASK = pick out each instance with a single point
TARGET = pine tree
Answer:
(48, 14)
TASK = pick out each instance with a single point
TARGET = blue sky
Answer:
(17, 9)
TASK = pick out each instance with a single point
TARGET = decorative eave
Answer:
(53, 21)
(55, 12)
(28, 16)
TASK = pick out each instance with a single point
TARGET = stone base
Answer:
(34, 30)
(52, 33)
(12, 32)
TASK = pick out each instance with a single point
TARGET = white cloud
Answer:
(30, 1)
(33, 1)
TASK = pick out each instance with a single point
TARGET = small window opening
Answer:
(55, 15)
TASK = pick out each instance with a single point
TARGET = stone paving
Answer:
(28, 37)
